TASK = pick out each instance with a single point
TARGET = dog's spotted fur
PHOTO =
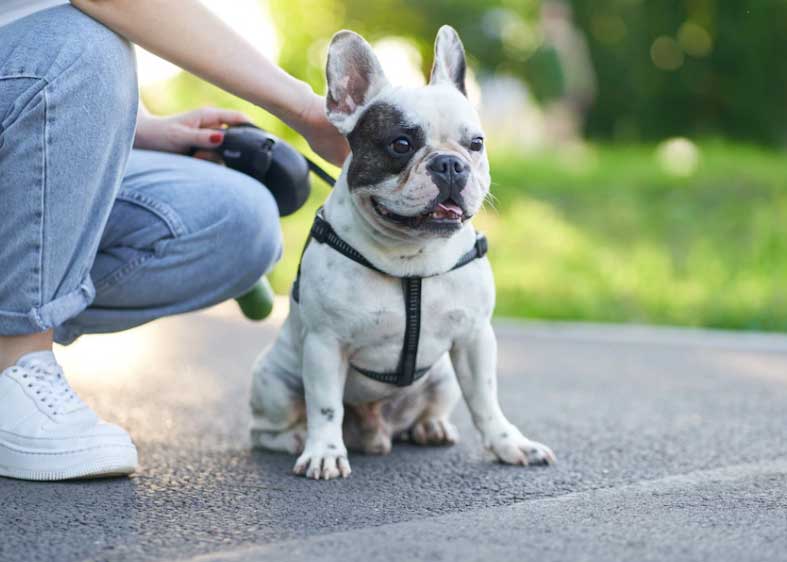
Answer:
(306, 398)
(373, 162)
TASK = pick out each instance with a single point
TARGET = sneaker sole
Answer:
(96, 462)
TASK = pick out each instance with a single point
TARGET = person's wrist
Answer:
(313, 111)
(141, 134)
(145, 124)
(299, 113)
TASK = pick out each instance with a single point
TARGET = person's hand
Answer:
(180, 133)
(322, 136)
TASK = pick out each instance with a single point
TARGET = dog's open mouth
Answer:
(446, 214)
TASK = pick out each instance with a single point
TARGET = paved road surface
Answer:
(672, 446)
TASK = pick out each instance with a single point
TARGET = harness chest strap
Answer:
(407, 371)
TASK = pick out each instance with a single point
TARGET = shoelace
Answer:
(51, 388)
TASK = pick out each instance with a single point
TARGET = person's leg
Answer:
(183, 234)
(68, 103)
(14, 347)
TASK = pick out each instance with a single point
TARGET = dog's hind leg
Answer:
(423, 418)
(365, 429)
(278, 412)
(277, 404)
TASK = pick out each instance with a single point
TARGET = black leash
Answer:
(320, 173)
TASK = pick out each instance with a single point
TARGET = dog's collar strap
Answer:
(407, 371)
(324, 233)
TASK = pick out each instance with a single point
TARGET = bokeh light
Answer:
(609, 29)
(695, 40)
(678, 156)
(666, 53)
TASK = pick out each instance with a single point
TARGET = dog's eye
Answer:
(401, 145)
(477, 144)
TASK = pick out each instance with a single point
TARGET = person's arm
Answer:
(187, 34)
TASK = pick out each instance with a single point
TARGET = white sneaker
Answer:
(48, 433)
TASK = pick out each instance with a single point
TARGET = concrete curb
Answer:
(639, 334)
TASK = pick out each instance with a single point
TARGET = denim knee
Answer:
(64, 46)
(185, 234)
(107, 67)
(254, 229)
(174, 256)
(222, 228)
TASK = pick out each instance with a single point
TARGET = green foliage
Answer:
(607, 235)
(611, 237)
(603, 234)
(735, 85)
(305, 43)
(731, 79)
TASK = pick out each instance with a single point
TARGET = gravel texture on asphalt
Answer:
(672, 445)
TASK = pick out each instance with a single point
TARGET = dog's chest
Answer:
(366, 310)
(377, 330)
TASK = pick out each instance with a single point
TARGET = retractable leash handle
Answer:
(278, 166)
(284, 172)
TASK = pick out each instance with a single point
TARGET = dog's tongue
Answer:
(451, 207)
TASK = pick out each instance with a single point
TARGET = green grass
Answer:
(605, 234)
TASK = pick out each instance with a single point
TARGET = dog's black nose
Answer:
(450, 175)
(449, 167)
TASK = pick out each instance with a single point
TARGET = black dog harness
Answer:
(406, 372)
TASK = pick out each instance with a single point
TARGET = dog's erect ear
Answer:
(354, 78)
(449, 59)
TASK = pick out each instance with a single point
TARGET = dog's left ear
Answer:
(449, 59)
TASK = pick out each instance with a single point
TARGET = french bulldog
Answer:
(405, 198)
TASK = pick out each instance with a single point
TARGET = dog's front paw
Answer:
(324, 461)
(511, 447)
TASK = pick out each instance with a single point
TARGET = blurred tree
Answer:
(498, 35)
(690, 67)
(707, 67)
(675, 67)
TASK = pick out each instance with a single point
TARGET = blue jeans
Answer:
(95, 236)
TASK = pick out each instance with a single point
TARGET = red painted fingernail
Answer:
(216, 138)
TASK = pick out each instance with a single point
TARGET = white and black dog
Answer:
(355, 363)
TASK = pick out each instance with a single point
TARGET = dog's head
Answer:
(419, 165)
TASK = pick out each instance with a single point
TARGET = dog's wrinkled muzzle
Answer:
(450, 174)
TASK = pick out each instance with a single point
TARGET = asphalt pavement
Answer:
(672, 445)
